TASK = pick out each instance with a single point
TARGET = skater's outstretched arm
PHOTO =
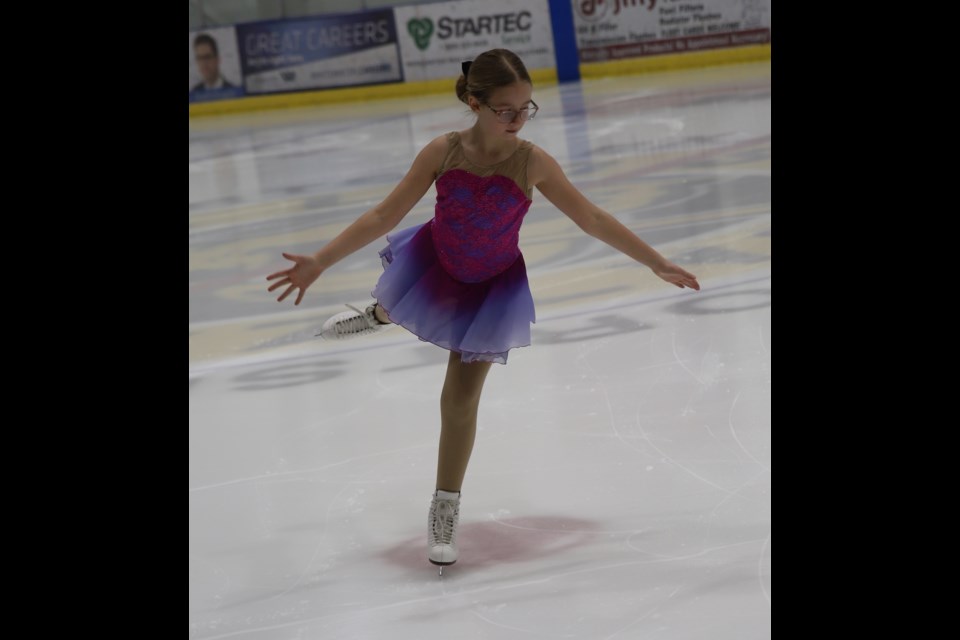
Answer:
(548, 176)
(368, 227)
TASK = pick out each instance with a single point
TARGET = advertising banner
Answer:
(615, 29)
(319, 53)
(214, 65)
(436, 38)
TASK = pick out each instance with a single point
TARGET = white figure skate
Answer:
(442, 529)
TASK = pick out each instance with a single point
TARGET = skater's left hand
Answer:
(677, 276)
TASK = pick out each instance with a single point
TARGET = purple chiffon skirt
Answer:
(481, 321)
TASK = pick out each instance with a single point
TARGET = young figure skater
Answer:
(459, 280)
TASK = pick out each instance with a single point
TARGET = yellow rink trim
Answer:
(539, 76)
(349, 94)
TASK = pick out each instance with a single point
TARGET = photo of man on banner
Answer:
(214, 84)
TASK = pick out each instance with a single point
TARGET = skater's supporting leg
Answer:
(459, 403)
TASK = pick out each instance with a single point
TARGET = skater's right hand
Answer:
(301, 275)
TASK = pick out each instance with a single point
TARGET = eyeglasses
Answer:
(506, 116)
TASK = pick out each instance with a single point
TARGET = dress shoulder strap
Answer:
(453, 149)
(515, 167)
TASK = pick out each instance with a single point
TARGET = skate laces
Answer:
(444, 522)
(358, 323)
(353, 323)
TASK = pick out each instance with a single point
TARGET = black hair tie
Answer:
(465, 66)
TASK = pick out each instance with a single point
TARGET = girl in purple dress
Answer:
(459, 280)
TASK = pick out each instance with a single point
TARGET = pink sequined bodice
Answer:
(476, 226)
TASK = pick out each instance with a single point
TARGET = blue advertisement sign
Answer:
(319, 52)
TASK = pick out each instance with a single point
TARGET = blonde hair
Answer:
(490, 71)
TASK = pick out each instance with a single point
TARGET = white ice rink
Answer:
(620, 483)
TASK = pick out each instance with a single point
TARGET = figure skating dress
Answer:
(459, 280)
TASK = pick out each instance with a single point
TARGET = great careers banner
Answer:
(219, 60)
(435, 38)
(319, 53)
(613, 29)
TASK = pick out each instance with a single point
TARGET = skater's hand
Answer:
(677, 276)
(301, 275)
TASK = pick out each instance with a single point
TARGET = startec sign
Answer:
(435, 38)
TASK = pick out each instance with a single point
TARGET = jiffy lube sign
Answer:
(614, 29)
(435, 38)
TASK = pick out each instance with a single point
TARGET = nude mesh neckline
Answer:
(463, 153)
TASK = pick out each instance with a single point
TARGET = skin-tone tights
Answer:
(459, 402)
